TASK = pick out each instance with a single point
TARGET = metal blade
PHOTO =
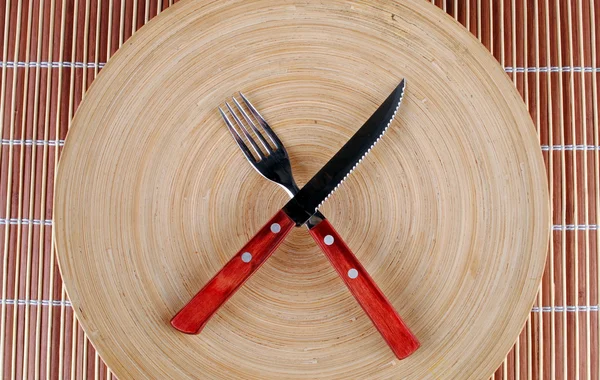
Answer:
(327, 180)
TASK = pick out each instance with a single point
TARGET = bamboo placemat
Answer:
(53, 49)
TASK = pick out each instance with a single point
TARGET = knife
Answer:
(302, 207)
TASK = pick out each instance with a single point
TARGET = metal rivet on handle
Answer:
(353, 273)
(275, 228)
(328, 240)
(246, 257)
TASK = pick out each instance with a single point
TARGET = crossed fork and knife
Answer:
(271, 160)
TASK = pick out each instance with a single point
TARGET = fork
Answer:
(272, 162)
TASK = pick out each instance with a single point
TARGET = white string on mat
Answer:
(545, 309)
(36, 302)
(570, 147)
(575, 227)
(99, 65)
(33, 142)
(45, 65)
(561, 309)
(552, 69)
(25, 221)
(48, 222)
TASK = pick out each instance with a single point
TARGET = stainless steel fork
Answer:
(274, 164)
(271, 160)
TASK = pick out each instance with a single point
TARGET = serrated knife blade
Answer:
(316, 191)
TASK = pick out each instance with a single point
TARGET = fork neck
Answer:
(290, 188)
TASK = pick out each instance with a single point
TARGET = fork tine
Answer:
(236, 136)
(253, 126)
(246, 132)
(263, 123)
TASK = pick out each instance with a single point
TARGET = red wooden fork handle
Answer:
(375, 304)
(194, 316)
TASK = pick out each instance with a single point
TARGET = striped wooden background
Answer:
(53, 49)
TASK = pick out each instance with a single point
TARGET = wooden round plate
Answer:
(449, 212)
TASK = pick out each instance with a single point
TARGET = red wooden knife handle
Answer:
(367, 293)
(194, 316)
